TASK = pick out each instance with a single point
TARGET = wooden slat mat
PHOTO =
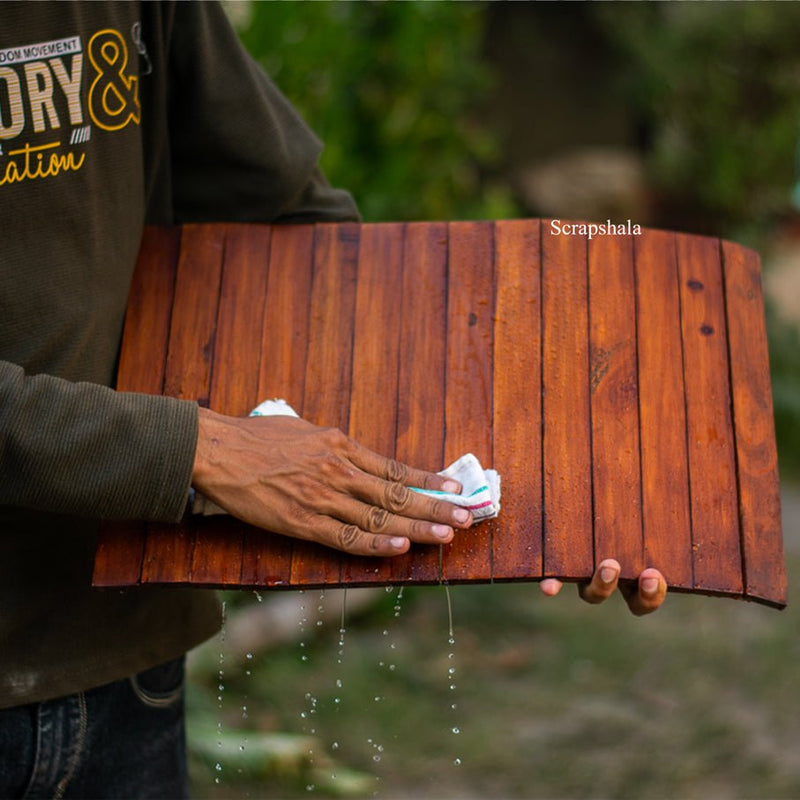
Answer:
(620, 385)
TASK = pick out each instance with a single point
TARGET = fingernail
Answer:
(451, 486)
(649, 586)
(398, 542)
(461, 515)
(441, 531)
(607, 574)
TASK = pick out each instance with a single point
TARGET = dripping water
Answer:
(451, 671)
(220, 690)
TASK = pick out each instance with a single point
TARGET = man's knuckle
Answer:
(376, 519)
(396, 471)
(348, 537)
(397, 496)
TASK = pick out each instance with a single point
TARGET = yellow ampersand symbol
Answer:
(113, 95)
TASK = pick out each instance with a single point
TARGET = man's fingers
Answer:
(396, 472)
(352, 539)
(375, 519)
(647, 594)
(550, 586)
(404, 502)
(603, 582)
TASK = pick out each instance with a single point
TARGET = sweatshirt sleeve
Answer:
(82, 448)
(238, 149)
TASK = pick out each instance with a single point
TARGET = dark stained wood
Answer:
(619, 384)
(421, 370)
(188, 376)
(517, 412)
(757, 458)
(567, 464)
(217, 556)
(616, 473)
(468, 379)
(662, 407)
(716, 543)
(329, 365)
(266, 557)
(376, 350)
(120, 549)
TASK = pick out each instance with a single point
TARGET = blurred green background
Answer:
(679, 116)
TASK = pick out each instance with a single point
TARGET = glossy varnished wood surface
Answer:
(620, 385)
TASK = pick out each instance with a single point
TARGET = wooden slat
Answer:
(217, 556)
(517, 443)
(568, 550)
(120, 550)
(757, 458)
(616, 484)
(168, 559)
(376, 350)
(266, 557)
(420, 396)
(712, 473)
(329, 365)
(665, 470)
(634, 372)
(468, 379)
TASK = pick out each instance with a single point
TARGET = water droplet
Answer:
(376, 758)
(457, 762)
(249, 655)
(258, 597)
(304, 658)
(338, 683)
(335, 746)
(319, 623)
(389, 589)
(456, 730)
(310, 787)
(218, 767)
(377, 698)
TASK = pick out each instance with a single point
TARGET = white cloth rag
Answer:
(480, 487)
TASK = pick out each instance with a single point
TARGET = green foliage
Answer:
(393, 90)
(784, 341)
(719, 85)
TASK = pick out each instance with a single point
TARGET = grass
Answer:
(553, 699)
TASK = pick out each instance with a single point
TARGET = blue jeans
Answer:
(123, 740)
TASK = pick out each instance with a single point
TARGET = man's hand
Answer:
(291, 477)
(643, 597)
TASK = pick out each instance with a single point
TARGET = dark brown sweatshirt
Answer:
(112, 115)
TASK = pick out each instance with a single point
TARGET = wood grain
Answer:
(662, 410)
(620, 384)
(567, 461)
(120, 552)
(716, 545)
(616, 469)
(517, 411)
(756, 455)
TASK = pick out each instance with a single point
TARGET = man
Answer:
(113, 116)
